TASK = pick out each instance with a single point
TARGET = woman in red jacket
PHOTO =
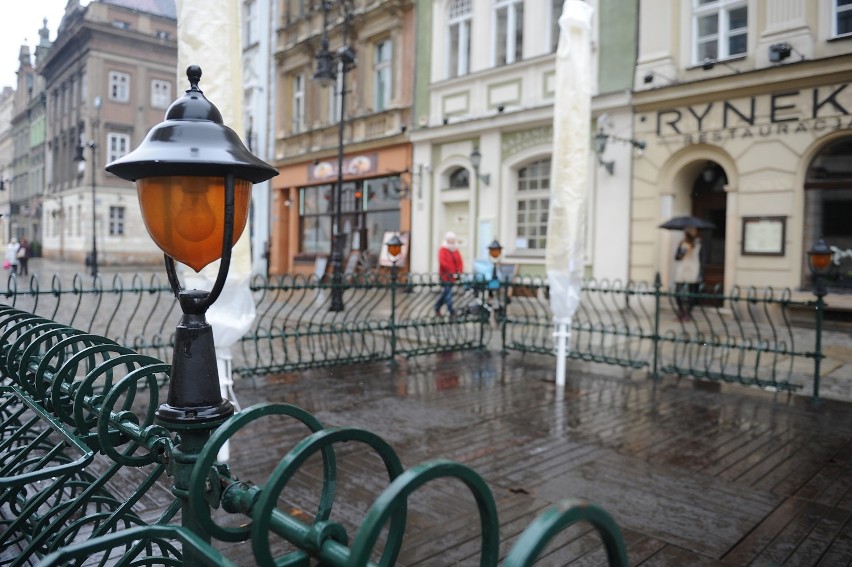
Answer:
(450, 265)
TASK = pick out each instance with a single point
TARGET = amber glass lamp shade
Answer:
(394, 247)
(186, 215)
(494, 250)
(819, 258)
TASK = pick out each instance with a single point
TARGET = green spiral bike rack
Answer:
(76, 418)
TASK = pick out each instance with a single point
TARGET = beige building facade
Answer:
(109, 77)
(746, 108)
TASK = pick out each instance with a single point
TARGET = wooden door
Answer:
(711, 205)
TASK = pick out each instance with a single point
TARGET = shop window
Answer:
(508, 31)
(828, 208)
(458, 51)
(532, 206)
(720, 29)
(841, 17)
(369, 209)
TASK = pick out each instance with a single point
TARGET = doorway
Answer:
(709, 202)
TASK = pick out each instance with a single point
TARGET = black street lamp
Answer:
(79, 157)
(394, 250)
(819, 263)
(326, 75)
(3, 183)
(194, 178)
(494, 252)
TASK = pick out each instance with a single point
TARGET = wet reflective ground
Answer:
(694, 474)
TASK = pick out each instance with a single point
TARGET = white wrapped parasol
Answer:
(568, 183)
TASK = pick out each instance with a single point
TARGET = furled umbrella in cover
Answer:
(569, 178)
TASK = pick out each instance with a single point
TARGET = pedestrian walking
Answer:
(687, 273)
(450, 266)
(12, 255)
(23, 256)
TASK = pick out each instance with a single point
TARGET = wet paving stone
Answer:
(694, 476)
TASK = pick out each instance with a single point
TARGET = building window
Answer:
(383, 53)
(121, 24)
(842, 17)
(298, 103)
(370, 209)
(161, 34)
(161, 93)
(117, 146)
(458, 50)
(116, 221)
(533, 203)
(720, 28)
(249, 23)
(459, 179)
(334, 95)
(555, 12)
(119, 86)
(508, 31)
(297, 8)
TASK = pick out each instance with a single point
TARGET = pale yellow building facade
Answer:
(746, 109)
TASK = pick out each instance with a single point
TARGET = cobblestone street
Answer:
(694, 475)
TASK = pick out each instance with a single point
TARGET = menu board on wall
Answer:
(764, 236)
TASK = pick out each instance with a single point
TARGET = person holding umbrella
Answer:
(687, 273)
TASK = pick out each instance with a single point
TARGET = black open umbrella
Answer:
(682, 223)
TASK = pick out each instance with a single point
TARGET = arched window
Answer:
(533, 202)
(828, 208)
(459, 179)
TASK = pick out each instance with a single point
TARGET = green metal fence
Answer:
(743, 336)
(89, 475)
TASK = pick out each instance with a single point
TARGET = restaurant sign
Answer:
(357, 166)
(819, 109)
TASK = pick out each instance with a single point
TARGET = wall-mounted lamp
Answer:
(600, 142)
(420, 169)
(476, 161)
(709, 63)
(781, 51)
(600, 146)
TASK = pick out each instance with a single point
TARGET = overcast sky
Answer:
(19, 24)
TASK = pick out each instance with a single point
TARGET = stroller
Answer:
(480, 289)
